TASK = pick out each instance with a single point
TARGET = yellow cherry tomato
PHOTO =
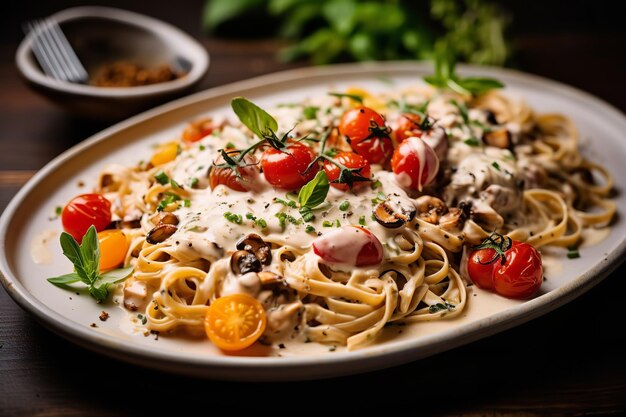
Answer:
(235, 321)
(113, 248)
(368, 99)
(164, 153)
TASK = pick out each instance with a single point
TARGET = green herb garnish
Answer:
(309, 228)
(314, 192)
(496, 165)
(446, 78)
(86, 260)
(327, 223)
(354, 97)
(167, 200)
(344, 206)
(161, 178)
(310, 112)
(435, 308)
(362, 220)
(233, 218)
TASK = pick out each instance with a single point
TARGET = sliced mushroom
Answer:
(386, 216)
(242, 262)
(253, 243)
(270, 279)
(500, 138)
(165, 218)
(160, 233)
(430, 208)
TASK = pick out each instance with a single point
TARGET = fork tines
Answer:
(54, 53)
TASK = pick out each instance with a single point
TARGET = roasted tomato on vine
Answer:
(508, 267)
(408, 125)
(239, 176)
(349, 246)
(83, 211)
(358, 174)
(288, 168)
(367, 134)
(234, 322)
(414, 163)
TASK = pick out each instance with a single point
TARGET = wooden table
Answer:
(571, 361)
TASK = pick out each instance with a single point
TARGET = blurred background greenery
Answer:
(326, 31)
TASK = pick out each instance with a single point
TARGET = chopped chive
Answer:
(233, 218)
(344, 206)
(337, 223)
(327, 223)
(309, 228)
(202, 147)
(472, 142)
(193, 182)
(230, 145)
(362, 220)
(495, 165)
(250, 216)
(376, 184)
(187, 202)
(261, 223)
(161, 178)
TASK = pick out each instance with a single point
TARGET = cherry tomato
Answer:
(349, 160)
(349, 245)
(198, 129)
(83, 211)
(249, 174)
(285, 168)
(164, 154)
(367, 134)
(520, 276)
(408, 125)
(113, 248)
(234, 322)
(414, 163)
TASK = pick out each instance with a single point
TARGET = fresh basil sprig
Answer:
(86, 260)
(446, 78)
(255, 118)
(314, 192)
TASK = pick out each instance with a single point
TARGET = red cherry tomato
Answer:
(520, 276)
(414, 164)
(408, 125)
(367, 134)
(248, 173)
(349, 245)
(349, 160)
(84, 211)
(285, 168)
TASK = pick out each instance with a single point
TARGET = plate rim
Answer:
(269, 368)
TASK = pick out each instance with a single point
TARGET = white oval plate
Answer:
(28, 214)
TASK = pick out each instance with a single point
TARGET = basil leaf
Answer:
(254, 117)
(478, 85)
(99, 293)
(314, 192)
(72, 251)
(90, 251)
(354, 97)
(65, 279)
(116, 275)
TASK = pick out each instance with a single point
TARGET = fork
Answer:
(53, 51)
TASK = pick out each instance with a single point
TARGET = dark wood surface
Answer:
(569, 362)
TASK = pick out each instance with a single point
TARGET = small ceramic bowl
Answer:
(102, 35)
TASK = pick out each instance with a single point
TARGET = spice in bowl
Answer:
(128, 74)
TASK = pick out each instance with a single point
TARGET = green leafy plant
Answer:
(339, 30)
(86, 260)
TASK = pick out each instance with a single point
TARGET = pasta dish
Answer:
(326, 219)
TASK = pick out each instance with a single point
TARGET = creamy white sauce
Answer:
(39, 247)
